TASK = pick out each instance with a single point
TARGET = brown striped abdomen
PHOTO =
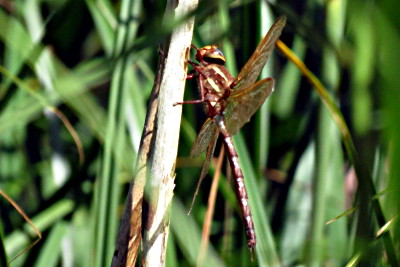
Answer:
(241, 191)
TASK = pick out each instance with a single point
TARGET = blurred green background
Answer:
(59, 84)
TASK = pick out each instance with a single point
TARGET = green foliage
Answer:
(91, 65)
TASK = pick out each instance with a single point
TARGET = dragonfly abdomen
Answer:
(240, 187)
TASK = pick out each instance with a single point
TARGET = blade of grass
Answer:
(298, 209)
(188, 237)
(107, 193)
(262, 117)
(362, 175)
(105, 21)
(18, 239)
(286, 89)
(328, 180)
(52, 249)
(3, 254)
(329, 174)
(388, 63)
(26, 218)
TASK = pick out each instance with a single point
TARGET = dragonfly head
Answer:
(210, 54)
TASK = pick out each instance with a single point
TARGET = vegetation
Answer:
(320, 159)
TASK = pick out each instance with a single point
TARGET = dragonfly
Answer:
(229, 103)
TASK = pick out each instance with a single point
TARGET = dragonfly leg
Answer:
(197, 69)
(190, 75)
(189, 102)
(194, 64)
(233, 84)
(202, 100)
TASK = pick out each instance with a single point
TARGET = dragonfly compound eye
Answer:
(210, 54)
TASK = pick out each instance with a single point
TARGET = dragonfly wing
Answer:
(203, 138)
(246, 102)
(210, 151)
(250, 72)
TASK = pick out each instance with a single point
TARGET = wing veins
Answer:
(246, 102)
(206, 165)
(252, 69)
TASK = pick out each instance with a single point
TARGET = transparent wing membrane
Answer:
(250, 72)
(212, 141)
(203, 138)
(246, 102)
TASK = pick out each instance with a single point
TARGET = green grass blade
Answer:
(52, 249)
(107, 197)
(188, 237)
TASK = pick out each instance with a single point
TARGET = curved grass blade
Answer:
(30, 223)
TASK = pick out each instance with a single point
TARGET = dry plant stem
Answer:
(157, 152)
(26, 218)
(129, 234)
(210, 209)
(162, 158)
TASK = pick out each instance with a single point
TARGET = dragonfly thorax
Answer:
(215, 80)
